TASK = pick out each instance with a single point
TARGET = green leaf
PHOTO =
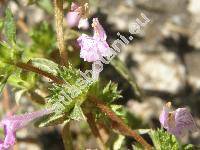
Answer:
(131, 120)
(162, 140)
(46, 5)
(5, 72)
(121, 68)
(1, 24)
(23, 79)
(45, 65)
(51, 120)
(143, 131)
(188, 147)
(73, 92)
(18, 95)
(3, 81)
(6, 52)
(10, 28)
(118, 143)
(137, 146)
(110, 92)
(77, 114)
(9, 53)
(43, 38)
(119, 110)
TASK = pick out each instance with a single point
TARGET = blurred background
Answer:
(164, 59)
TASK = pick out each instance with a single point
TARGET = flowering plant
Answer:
(66, 90)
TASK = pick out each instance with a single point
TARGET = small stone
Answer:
(160, 71)
(193, 69)
(194, 7)
(151, 105)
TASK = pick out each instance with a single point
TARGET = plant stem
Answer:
(66, 136)
(118, 122)
(95, 130)
(6, 100)
(29, 67)
(58, 10)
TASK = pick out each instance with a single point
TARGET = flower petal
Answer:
(184, 122)
(96, 47)
(83, 24)
(99, 32)
(163, 117)
(9, 139)
(92, 49)
(177, 122)
(13, 123)
(73, 18)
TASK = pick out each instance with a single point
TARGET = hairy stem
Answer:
(66, 136)
(95, 130)
(29, 67)
(58, 10)
(118, 122)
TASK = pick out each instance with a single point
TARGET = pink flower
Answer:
(83, 24)
(96, 47)
(13, 123)
(76, 16)
(177, 122)
(99, 32)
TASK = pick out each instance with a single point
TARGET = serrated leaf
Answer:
(73, 92)
(119, 110)
(110, 92)
(22, 79)
(188, 147)
(45, 65)
(131, 120)
(162, 140)
(121, 68)
(10, 28)
(77, 114)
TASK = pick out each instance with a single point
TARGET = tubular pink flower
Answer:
(75, 17)
(96, 47)
(99, 32)
(13, 123)
(177, 122)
